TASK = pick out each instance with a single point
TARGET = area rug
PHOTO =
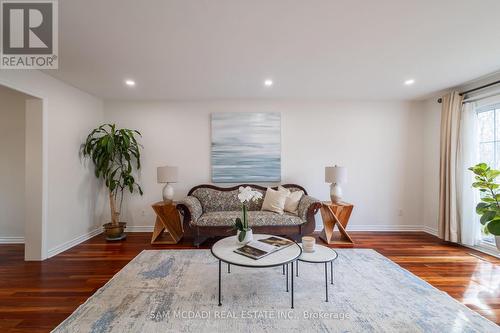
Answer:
(176, 291)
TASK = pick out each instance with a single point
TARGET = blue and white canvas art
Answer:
(246, 147)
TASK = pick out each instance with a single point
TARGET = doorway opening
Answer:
(22, 174)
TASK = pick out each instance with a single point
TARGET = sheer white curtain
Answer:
(470, 228)
(458, 221)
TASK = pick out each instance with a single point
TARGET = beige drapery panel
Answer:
(449, 214)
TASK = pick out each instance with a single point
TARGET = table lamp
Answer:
(335, 175)
(167, 175)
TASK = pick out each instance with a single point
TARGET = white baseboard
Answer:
(69, 244)
(388, 228)
(149, 228)
(80, 239)
(485, 248)
(430, 230)
(384, 227)
(11, 240)
(139, 228)
(395, 228)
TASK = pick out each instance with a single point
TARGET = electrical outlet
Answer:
(143, 212)
(400, 212)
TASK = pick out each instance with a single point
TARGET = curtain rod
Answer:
(440, 100)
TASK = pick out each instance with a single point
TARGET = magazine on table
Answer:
(257, 249)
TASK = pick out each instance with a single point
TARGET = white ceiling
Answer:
(315, 49)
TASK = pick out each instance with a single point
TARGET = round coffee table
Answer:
(321, 254)
(224, 251)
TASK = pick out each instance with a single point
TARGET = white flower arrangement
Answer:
(247, 194)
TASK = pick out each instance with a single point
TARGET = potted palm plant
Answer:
(115, 154)
(489, 207)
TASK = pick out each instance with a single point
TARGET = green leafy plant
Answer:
(114, 153)
(242, 225)
(489, 207)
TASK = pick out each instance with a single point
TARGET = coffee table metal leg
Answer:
(331, 271)
(220, 276)
(292, 285)
(297, 273)
(326, 280)
(283, 269)
(286, 277)
(229, 268)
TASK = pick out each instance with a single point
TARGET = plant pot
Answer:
(115, 232)
(248, 237)
(497, 240)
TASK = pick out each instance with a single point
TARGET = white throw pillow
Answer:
(292, 200)
(284, 189)
(274, 201)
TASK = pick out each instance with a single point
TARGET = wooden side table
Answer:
(168, 227)
(336, 214)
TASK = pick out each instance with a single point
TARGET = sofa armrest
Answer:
(308, 207)
(192, 206)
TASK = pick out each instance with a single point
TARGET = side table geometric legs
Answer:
(336, 214)
(168, 227)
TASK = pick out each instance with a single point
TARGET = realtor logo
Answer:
(29, 34)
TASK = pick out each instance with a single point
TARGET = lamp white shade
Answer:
(335, 175)
(167, 174)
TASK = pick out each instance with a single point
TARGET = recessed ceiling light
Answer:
(409, 82)
(130, 83)
(268, 82)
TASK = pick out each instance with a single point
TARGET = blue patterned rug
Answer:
(176, 291)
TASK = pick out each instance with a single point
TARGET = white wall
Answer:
(431, 110)
(34, 229)
(69, 114)
(12, 131)
(391, 150)
(379, 142)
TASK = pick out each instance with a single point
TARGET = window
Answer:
(489, 141)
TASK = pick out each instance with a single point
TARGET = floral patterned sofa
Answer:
(209, 211)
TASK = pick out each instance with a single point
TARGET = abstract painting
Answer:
(246, 147)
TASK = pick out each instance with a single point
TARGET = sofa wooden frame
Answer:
(202, 233)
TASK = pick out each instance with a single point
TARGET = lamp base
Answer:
(168, 193)
(335, 193)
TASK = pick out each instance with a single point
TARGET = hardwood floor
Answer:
(36, 296)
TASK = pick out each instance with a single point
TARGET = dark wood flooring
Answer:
(36, 296)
